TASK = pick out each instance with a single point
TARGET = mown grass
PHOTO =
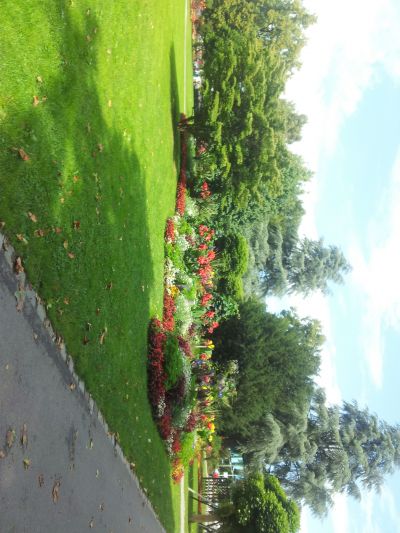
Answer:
(99, 184)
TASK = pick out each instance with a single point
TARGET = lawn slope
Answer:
(91, 92)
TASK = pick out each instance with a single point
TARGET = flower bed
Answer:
(183, 381)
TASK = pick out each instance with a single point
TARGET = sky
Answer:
(349, 88)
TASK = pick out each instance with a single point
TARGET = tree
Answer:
(277, 356)
(304, 267)
(311, 265)
(258, 505)
(348, 449)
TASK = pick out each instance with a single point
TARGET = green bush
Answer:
(174, 364)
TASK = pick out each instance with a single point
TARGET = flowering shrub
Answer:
(183, 385)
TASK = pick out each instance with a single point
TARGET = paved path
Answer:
(74, 480)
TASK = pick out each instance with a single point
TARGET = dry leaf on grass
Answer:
(23, 155)
(76, 224)
(103, 336)
(56, 491)
(57, 230)
(39, 79)
(32, 217)
(85, 340)
(71, 255)
(66, 301)
(39, 233)
(21, 238)
(75, 179)
(36, 101)
(65, 244)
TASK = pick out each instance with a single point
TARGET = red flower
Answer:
(206, 299)
(181, 198)
(202, 247)
(213, 326)
(168, 312)
(205, 192)
(170, 230)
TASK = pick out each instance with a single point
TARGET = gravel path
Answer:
(59, 471)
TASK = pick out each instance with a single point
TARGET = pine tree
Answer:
(347, 449)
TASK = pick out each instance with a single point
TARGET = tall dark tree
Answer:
(305, 267)
(348, 449)
(277, 355)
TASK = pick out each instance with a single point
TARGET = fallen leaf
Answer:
(65, 244)
(26, 463)
(24, 436)
(18, 265)
(72, 386)
(75, 179)
(57, 230)
(36, 101)
(35, 336)
(2, 224)
(132, 466)
(101, 507)
(76, 224)
(41, 480)
(32, 217)
(23, 155)
(85, 340)
(109, 285)
(21, 238)
(39, 233)
(100, 147)
(71, 255)
(97, 473)
(56, 491)
(91, 523)
(39, 79)
(102, 336)
(2, 454)
(10, 437)
(66, 301)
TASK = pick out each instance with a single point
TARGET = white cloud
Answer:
(339, 62)
(376, 277)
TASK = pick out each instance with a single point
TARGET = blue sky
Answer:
(349, 87)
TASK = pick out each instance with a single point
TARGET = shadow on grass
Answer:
(92, 264)
(175, 104)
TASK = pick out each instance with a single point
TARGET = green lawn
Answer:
(100, 182)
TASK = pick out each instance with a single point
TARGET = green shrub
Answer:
(187, 452)
(174, 364)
